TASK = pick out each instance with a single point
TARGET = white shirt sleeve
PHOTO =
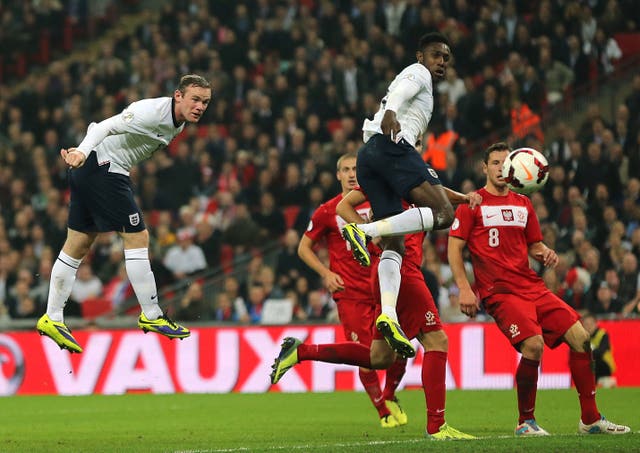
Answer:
(134, 119)
(96, 133)
(406, 89)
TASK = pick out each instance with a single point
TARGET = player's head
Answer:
(346, 171)
(494, 157)
(192, 98)
(434, 52)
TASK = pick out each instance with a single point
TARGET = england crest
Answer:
(134, 219)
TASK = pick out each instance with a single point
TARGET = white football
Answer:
(525, 170)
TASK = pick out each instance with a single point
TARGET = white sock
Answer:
(412, 220)
(389, 276)
(143, 281)
(63, 274)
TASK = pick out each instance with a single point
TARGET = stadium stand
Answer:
(292, 83)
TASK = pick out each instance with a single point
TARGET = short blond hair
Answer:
(350, 155)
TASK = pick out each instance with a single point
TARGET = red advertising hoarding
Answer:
(238, 359)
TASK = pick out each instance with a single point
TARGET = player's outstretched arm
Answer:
(468, 302)
(332, 281)
(473, 199)
(540, 252)
(347, 206)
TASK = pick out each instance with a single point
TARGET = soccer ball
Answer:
(525, 170)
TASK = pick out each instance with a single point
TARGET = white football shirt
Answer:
(415, 86)
(134, 135)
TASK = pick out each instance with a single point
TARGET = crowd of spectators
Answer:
(293, 81)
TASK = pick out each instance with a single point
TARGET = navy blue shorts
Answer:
(388, 171)
(102, 201)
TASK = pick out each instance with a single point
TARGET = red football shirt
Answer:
(412, 260)
(326, 224)
(498, 234)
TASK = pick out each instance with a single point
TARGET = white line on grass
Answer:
(352, 444)
(306, 447)
(324, 446)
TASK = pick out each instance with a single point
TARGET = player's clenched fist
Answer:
(73, 157)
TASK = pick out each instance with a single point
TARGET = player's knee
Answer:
(443, 216)
(434, 341)
(394, 243)
(578, 338)
(137, 240)
(78, 244)
(532, 347)
(382, 357)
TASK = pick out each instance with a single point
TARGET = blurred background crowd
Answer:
(227, 202)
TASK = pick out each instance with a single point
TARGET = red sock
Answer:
(371, 384)
(527, 387)
(583, 378)
(434, 370)
(348, 353)
(394, 375)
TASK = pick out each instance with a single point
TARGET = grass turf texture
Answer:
(276, 422)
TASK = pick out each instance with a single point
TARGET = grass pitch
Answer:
(276, 422)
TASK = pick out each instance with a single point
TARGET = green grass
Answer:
(276, 422)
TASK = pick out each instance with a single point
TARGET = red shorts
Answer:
(357, 318)
(417, 312)
(521, 317)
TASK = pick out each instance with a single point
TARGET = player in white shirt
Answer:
(102, 200)
(390, 170)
